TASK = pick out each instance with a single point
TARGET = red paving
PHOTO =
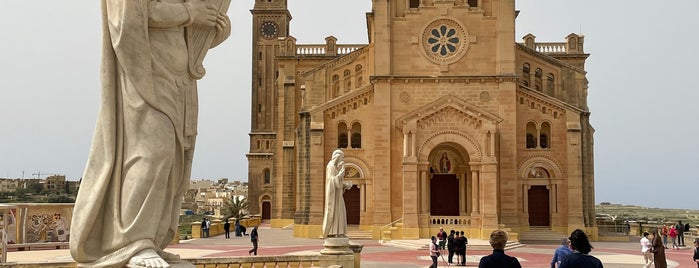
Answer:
(530, 256)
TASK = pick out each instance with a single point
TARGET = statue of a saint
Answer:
(127, 209)
(335, 218)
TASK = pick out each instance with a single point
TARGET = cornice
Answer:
(510, 78)
(346, 101)
(548, 101)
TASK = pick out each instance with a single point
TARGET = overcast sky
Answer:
(642, 72)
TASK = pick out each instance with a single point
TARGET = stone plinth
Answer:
(336, 251)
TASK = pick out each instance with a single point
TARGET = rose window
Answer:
(444, 41)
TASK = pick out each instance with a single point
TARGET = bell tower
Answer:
(270, 21)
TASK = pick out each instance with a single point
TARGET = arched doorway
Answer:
(266, 210)
(444, 190)
(539, 210)
(351, 198)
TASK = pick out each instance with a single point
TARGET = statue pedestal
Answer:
(336, 251)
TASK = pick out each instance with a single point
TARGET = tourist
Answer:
(696, 251)
(434, 252)
(204, 229)
(237, 228)
(457, 247)
(664, 232)
(673, 237)
(442, 237)
(580, 258)
(658, 249)
(498, 259)
(254, 238)
(463, 241)
(450, 246)
(680, 234)
(227, 229)
(561, 252)
(645, 250)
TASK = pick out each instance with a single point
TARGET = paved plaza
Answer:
(374, 255)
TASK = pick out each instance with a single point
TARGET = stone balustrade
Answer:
(551, 47)
(460, 221)
(321, 49)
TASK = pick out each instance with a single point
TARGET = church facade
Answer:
(445, 121)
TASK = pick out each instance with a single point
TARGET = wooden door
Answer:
(444, 195)
(539, 211)
(351, 198)
(266, 210)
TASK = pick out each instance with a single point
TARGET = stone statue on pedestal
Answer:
(335, 217)
(127, 209)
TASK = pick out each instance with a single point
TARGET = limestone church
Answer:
(444, 118)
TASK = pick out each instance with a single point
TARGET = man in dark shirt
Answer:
(498, 240)
(227, 228)
(450, 246)
(254, 239)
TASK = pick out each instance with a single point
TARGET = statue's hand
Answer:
(201, 12)
(223, 29)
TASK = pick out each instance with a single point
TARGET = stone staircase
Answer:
(541, 234)
(354, 233)
(424, 244)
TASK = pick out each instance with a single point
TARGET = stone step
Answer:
(541, 234)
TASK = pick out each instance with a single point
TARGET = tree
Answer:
(35, 187)
(235, 206)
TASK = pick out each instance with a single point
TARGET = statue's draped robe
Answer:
(335, 217)
(140, 159)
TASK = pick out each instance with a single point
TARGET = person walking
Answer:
(645, 250)
(561, 252)
(434, 252)
(580, 258)
(254, 238)
(498, 259)
(658, 249)
(227, 229)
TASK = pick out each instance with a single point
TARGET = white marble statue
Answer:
(127, 209)
(335, 217)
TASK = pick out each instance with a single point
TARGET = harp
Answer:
(199, 39)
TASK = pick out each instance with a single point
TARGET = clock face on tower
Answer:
(269, 29)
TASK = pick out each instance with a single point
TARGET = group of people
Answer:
(676, 234)
(455, 243)
(573, 253)
(239, 229)
(654, 250)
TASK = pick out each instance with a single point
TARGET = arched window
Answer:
(267, 176)
(356, 135)
(550, 87)
(537, 79)
(336, 85)
(473, 3)
(341, 135)
(525, 74)
(414, 3)
(358, 75)
(531, 135)
(348, 80)
(545, 135)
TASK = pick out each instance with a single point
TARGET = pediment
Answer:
(449, 108)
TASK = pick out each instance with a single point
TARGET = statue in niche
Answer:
(335, 217)
(444, 163)
(138, 170)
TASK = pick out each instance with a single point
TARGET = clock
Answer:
(269, 29)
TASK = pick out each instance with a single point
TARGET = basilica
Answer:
(445, 118)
